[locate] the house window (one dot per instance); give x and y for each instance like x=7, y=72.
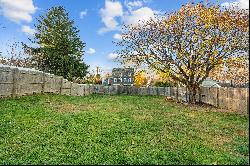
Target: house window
x=109, y=81
x=115, y=80
x=124, y=79
x=129, y=80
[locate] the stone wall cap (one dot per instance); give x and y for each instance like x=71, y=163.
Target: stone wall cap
x=19, y=68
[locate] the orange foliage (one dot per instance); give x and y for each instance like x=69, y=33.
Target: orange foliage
x=140, y=78
x=234, y=69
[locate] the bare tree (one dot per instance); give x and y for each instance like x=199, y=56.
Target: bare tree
x=15, y=56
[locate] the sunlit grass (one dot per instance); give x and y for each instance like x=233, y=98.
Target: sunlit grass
x=53, y=129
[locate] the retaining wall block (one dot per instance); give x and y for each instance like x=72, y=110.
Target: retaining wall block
x=75, y=89
x=6, y=82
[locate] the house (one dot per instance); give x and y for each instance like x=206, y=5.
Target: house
x=107, y=81
x=120, y=76
x=212, y=83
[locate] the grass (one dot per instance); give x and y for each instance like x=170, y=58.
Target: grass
x=54, y=129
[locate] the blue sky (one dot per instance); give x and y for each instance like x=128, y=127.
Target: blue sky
x=99, y=21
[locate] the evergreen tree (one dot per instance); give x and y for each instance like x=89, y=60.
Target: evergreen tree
x=60, y=50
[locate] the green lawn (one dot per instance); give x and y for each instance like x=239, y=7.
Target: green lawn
x=54, y=129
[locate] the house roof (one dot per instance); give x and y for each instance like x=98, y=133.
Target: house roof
x=210, y=83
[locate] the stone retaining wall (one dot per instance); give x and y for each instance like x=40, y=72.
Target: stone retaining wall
x=18, y=82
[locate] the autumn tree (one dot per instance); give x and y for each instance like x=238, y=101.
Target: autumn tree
x=60, y=49
x=163, y=80
x=234, y=70
x=140, y=78
x=187, y=44
x=98, y=79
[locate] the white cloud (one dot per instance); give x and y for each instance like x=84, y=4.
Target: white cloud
x=109, y=14
x=142, y=14
x=18, y=10
x=91, y=51
x=83, y=13
x=117, y=36
x=132, y=4
x=135, y=4
x=27, y=30
x=243, y=4
x=112, y=56
x=112, y=14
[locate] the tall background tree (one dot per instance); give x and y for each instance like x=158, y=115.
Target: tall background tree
x=187, y=44
x=59, y=48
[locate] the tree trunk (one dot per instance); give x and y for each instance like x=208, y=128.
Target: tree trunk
x=199, y=91
x=177, y=93
x=192, y=94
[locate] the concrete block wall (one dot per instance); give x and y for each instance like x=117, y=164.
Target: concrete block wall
x=18, y=82
x=27, y=82
x=75, y=89
x=52, y=83
x=66, y=87
x=6, y=81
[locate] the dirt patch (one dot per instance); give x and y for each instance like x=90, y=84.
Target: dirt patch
x=70, y=108
x=221, y=140
x=142, y=117
x=67, y=108
x=242, y=133
x=198, y=107
x=87, y=106
x=113, y=110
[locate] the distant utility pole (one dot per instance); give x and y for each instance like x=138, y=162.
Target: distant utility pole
x=97, y=70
